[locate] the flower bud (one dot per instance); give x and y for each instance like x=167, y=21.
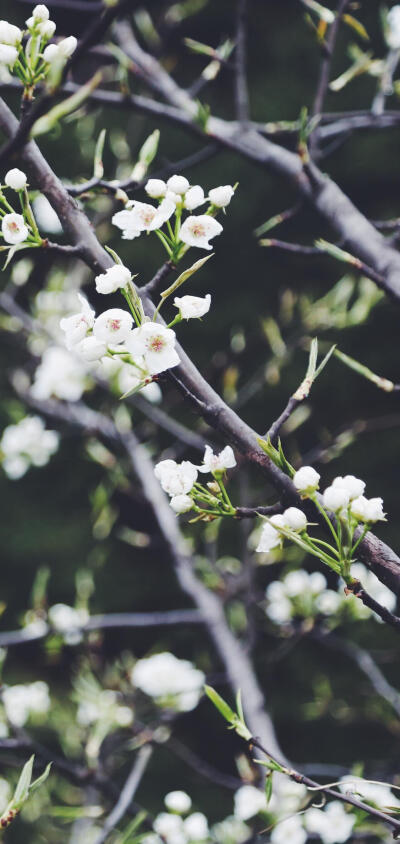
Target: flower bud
x=67, y=46
x=15, y=179
x=335, y=498
x=181, y=504
x=220, y=197
x=155, y=188
x=194, y=197
x=10, y=34
x=8, y=54
x=178, y=801
x=354, y=486
x=295, y=519
x=368, y=510
x=51, y=53
x=47, y=29
x=113, y=279
x=306, y=479
x=178, y=184
x=41, y=13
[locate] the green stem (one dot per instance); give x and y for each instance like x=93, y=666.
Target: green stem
x=327, y=519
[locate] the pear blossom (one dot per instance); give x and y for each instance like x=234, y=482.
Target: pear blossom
x=354, y=486
x=217, y=462
x=59, y=374
x=113, y=279
x=192, y=307
x=77, y=326
x=196, y=827
x=155, y=188
x=41, y=12
x=194, y=197
x=178, y=184
x=368, y=510
x=22, y=701
x=28, y=442
x=170, y=827
x=221, y=197
x=248, y=801
x=333, y=824
x=291, y=829
x=306, y=479
x=270, y=537
x=181, y=503
x=156, y=344
x=15, y=179
x=178, y=801
x=143, y=217
x=197, y=231
x=295, y=519
x=113, y=326
x=176, y=478
x=9, y=34
x=47, y=29
x=67, y=46
x=13, y=225
x=335, y=498
x=393, y=28
x=170, y=681
x=8, y=54
x=51, y=54
x=90, y=349
x=45, y=216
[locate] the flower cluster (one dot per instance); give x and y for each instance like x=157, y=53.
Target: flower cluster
x=17, y=228
x=302, y=595
x=26, y=443
x=171, y=682
x=179, y=481
x=173, y=827
x=32, y=62
x=23, y=701
x=175, y=197
x=68, y=621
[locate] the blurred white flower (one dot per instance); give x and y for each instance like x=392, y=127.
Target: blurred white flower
x=22, y=701
x=13, y=225
x=90, y=349
x=196, y=827
x=198, y=231
x=248, y=801
x=77, y=326
x=10, y=34
x=289, y=830
x=170, y=827
x=217, y=462
x=15, y=179
x=333, y=824
x=27, y=443
x=393, y=28
x=176, y=478
x=8, y=56
x=172, y=682
x=374, y=587
x=381, y=795
x=221, y=196
x=113, y=326
x=157, y=346
x=129, y=377
x=178, y=801
x=192, y=307
x=59, y=374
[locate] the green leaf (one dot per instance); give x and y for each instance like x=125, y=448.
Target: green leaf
x=221, y=705
x=22, y=789
x=184, y=276
x=40, y=780
x=98, y=169
x=113, y=254
x=239, y=706
x=358, y=27
x=383, y=383
x=132, y=827
x=268, y=786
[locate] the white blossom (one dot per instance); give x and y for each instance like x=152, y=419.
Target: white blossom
x=368, y=509
x=197, y=231
x=9, y=34
x=291, y=830
x=181, y=503
x=178, y=801
x=170, y=827
x=21, y=701
x=59, y=374
x=221, y=196
x=194, y=197
x=157, y=346
x=113, y=326
x=176, y=478
x=306, y=479
x=13, y=225
x=41, y=13
x=354, y=486
x=192, y=307
x=196, y=827
x=47, y=29
x=170, y=681
x=77, y=326
x=296, y=583
x=393, y=28
x=155, y=188
x=333, y=824
x=295, y=519
x=90, y=349
x=248, y=801
x=143, y=217
x=328, y=602
x=381, y=795
x=217, y=462
x=270, y=537
x=113, y=279
x=67, y=46
x=45, y=215
x=178, y=184
x=51, y=54
x=8, y=54
x=28, y=442
x=335, y=498
x=15, y=179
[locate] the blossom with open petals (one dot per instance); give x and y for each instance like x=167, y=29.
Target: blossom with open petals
x=217, y=462
x=197, y=231
x=77, y=326
x=192, y=307
x=156, y=344
x=113, y=279
x=13, y=226
x=176, y=478
x=113, y=326
x=143, y=217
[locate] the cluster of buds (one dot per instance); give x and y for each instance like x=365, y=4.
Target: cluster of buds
x=175, y=196
x=179, y=481
x=17, y=228
x=28, y=54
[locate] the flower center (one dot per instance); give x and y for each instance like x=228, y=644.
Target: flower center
x=156, y=344
x=114, y=324
x=198, y=230
x=13, y=227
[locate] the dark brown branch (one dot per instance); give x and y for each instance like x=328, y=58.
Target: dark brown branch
x=358, y=590
x=253, y=512
x=323, y=80
x=276, y=426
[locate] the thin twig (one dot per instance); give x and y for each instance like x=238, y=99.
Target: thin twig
x=128, y=792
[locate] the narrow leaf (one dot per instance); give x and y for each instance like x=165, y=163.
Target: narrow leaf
x=221, y=705
x=184, y=276
x=98, y=169
x=40, y=780
x=22, y=789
